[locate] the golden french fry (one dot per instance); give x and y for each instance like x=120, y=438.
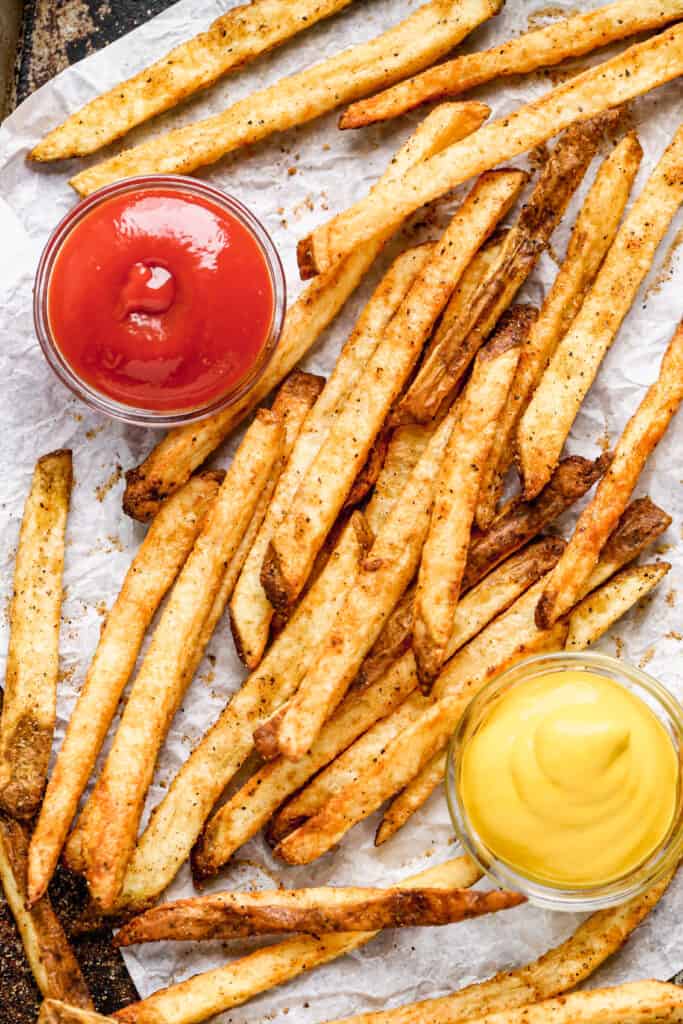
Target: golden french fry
x=597, y=612
x=151, y=573
x=592, y=235
x=246, y=811
x=53, y=1011
x=636, y=70
x=543, y=47
x=410, y=799
x=385, y=574
x=30, y=703
x=445, y=548
x=415, y=43
x=178, y=820
x=297, y=540
x=403, y=453
x=116, y=803
x=237, y=37
x=250, y=610
x=49, y=955
x=214, y=991
x=452, y=351
x=173, y=460
x=641, y=434
x=560, y=969
x=230, y=915
x=547, y=421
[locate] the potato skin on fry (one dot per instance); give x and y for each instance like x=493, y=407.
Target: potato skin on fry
x=30, y=704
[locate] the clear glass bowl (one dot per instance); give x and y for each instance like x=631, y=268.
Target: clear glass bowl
x=663, y=859
x=96, y=399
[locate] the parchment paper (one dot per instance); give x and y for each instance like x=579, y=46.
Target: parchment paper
x=330, y=170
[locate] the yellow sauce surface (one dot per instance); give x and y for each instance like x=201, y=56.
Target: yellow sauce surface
x=570, y=779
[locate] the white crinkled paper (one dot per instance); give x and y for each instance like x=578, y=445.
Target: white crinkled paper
x=332, y=170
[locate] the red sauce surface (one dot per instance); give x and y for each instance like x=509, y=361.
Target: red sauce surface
x=160, y=300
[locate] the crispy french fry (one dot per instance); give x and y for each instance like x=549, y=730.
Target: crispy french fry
x=597, y=612
x=559, y=41
x=410, y=799
x=30, y=705
x=548, y=418
x=560, y=969
x=237, y=37
x=53, y=1011
x=449, y=356
x=250, y=610
x=230, y=915
x=592, y=235
x=178, y=820
x=173, y=460
x=296, y=542
x=524, y=519
x=116, y=802
x=641, y=434
x=509, y=638
x=403, y=453
x=207, y=994
x=250, y=807
x=387, y=570
x=636, y=70
x=250, y=625
x=152, y=572
x=50, y=957
x=444, y=554
x=415, y=43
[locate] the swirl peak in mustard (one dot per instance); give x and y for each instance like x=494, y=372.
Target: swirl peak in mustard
x=570, y=779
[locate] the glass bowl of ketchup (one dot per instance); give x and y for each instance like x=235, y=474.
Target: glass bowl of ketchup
x=159, y=300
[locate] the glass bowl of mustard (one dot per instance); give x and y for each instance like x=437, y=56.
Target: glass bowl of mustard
x=564, y=778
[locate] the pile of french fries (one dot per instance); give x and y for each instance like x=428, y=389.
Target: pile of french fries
x=361, y=545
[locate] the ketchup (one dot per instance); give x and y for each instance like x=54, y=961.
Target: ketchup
x=161, y=300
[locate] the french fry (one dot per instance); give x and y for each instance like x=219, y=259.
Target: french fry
x=544, y=47
x=386, y=572
x=30, y=705
x=641, y=435
x=524, y=519
x=592, y=235
x=597, y=612
x=50, y=957
x=53, y=1011
x=449, y=356
x=560, y=969
x=250, y=610
x=512, y=636
x=635, y=71
x=178, y=820
x=116, y=802
x=151, y=573
x=444, y=554
x=173, y=460
x=368, y=475
x=403, y=453
x=250, y=808
x=230, y=915
x=236, y=38
x=548, y=418
x=415, y=43
x=210, y=993
x=296, y=542
x=410, y=799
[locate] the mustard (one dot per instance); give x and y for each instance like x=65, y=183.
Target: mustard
x=570, y=779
